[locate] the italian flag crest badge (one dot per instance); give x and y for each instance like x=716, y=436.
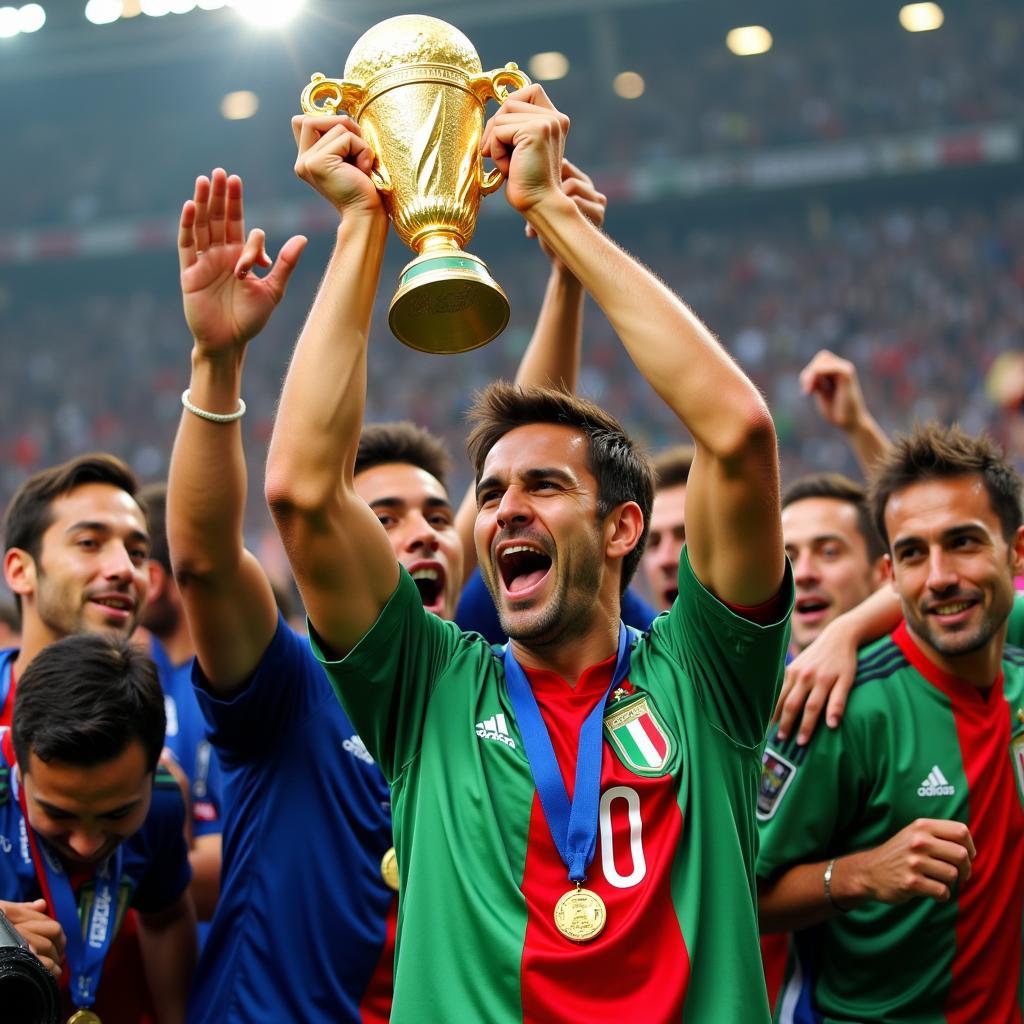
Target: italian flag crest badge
x=637, y=735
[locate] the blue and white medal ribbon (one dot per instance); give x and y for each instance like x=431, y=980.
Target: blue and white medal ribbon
x=580, y=914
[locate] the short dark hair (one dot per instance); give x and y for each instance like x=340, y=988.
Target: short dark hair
x=672, y=466
x=83, y=699
x=153, y=500
x=29, y=516
x=622, y=471
x=839, y=488
x=934, y=451
x=402, y=441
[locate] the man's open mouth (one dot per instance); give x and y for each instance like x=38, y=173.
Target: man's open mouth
x=430, y=582
x=522, y=567
x=810, y=605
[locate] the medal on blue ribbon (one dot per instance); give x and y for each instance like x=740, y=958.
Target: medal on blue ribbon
x=87, y=942
x=580, y=914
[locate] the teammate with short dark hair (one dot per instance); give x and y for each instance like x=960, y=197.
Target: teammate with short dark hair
x=664, y=548
x=172, y=650
x=102, y=826
x=901, y=832
x=641, y=908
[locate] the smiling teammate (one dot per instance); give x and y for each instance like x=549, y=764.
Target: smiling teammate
x=902, y=831
x=507, y=914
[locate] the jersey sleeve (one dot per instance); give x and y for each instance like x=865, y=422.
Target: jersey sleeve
x=808, y=797
x=384, y=683
x=206, y=792
x=287, y=687
x=734, y=664
x=162, y=838
x=636, y=612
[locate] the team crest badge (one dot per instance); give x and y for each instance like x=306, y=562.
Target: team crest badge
x=776, y=775
x=637, y=735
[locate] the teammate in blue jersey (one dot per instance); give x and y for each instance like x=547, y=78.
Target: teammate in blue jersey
x=92, y=827
x=171, y=648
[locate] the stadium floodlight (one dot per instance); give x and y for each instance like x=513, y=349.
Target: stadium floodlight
x=749, y=40
x=156, y=8
x=181, y=6
x=267, y=13
x=548, y=66
x=31, y=18
x=104, y=12
x=629, y=85
x=921, y=17
x=237, y=106
x=9, y=22
x=211, y=5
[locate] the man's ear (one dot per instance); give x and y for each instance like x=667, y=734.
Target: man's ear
x=625, y=528
x=20, y=572
x=881, y=570
x=159, y=581
x=1017, y=552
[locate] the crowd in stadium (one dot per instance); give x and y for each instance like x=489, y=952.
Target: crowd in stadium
x=661, y=660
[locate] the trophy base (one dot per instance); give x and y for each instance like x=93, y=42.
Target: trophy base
x=447, y=303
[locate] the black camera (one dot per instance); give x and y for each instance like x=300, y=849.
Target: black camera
x=28, y=992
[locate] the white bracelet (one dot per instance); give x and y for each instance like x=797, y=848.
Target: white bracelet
x=213, y=417
x=828, y=886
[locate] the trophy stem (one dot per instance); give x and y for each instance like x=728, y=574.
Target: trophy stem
x=439, y=242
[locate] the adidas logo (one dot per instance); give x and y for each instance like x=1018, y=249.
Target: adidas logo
x=495, y=729
x=357, y=748
x=936, y=784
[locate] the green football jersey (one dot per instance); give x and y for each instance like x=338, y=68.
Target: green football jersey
x=915, y=743
x=479, y=873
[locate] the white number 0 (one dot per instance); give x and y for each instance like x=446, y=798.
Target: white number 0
x=636, y=839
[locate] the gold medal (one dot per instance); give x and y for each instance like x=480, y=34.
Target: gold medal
x=389, y=869
x=84, y=1017
x=580, y=915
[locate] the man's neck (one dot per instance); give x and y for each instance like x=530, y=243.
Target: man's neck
x=178, y=644
x=570, y=657
x=980, y=668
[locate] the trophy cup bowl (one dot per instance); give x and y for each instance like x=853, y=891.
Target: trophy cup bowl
x=417, y=90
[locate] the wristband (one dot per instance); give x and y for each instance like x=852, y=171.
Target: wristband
x=213, y=417
x=828, y=887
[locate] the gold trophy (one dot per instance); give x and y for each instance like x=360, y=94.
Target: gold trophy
x=417, y=89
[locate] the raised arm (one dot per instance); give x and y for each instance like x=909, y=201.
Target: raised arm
x=834, y=383
x=552, y=357
x=732, y=517
x=227, y=596
x=343, y=562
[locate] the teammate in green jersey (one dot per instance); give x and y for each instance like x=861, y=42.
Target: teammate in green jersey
x=902, y=832
x=666, y=835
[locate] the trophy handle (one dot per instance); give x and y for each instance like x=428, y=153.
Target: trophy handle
x=494, y=85
x=325, y=96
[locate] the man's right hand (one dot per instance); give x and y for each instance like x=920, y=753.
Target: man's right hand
x=44, y=935
x=336, y=160
x=927, y=858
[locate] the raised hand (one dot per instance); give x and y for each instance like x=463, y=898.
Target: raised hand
x=44, y=935
x=581, y=189
x=336, y=160
x=226, y=305
x=835, y=386
x=525, y=139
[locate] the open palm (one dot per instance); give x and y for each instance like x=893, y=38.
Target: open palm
x=225, y=303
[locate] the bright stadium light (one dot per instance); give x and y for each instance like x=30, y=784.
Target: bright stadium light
x=921, y=17
x=155, y=8
x=749, y=40
x=237, y=106
x=548, y=66
x=103, y=12
x=629, y=85
x=31, y=18
x=181, y=6
x=9, y=22
x=211, y=5
x=268, y=13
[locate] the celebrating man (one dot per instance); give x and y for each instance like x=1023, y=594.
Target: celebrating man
x=500, y=868
x=902, y=832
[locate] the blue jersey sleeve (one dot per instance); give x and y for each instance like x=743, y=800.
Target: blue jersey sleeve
x=158, y=854
x=287, y=687
x=636, y=612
